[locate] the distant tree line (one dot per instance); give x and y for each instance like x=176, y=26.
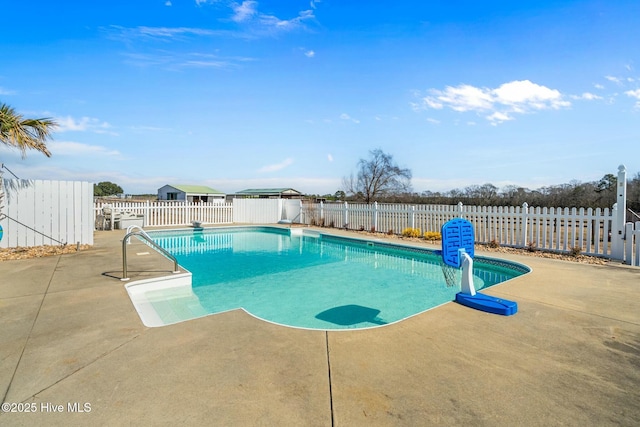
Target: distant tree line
x=595, y=194
x=380, y=179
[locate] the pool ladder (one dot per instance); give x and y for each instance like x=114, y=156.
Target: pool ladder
x=141, y=234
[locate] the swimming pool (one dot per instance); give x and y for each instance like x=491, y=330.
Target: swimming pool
x=305, y=279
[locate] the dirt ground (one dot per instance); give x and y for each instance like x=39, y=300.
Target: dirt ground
x=503, y=249
x=38, y=251
x=42, y=251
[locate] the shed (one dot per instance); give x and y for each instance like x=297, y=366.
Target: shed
x=191, y=193
x=269, y=193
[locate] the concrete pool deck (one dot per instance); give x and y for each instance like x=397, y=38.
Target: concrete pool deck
x=69, y=335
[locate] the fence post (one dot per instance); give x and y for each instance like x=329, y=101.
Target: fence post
x=346, y=214
x=460, y=209
x=628, y=247
x=525, y=222
x=375, y=215
x=145, y=218
x=413, y=217
x=618, y=219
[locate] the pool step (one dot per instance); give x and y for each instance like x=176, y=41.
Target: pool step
x=165, y=300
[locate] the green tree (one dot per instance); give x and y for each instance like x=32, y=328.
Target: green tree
x=106, y=188
x=379, y=176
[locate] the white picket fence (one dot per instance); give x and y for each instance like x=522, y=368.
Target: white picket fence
x=178, y=213
x=163, y=213
x=554, y=229
x=38, y=212
x=632, y=244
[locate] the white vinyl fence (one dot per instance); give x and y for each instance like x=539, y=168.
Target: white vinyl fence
x=557, y=229
x=632, y=244
x=588, y=231
x=37, y=212
x=169, y=213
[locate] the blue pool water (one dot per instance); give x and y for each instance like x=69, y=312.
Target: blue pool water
x=310, y=280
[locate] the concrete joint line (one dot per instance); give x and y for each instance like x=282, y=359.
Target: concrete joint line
x=33, y=324
x=326, y=336
x=102, y=356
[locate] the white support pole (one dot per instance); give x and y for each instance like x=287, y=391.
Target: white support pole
x=618, y=220
x=466, y=284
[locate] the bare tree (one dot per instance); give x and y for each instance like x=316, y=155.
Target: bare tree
x=379, y=176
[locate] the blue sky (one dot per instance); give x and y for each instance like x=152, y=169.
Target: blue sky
x=254, y=94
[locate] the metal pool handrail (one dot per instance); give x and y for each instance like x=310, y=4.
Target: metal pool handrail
x=143, y=235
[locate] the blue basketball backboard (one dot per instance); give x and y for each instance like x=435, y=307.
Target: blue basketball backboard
x=457, y=234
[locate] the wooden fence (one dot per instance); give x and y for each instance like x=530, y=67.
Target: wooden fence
x=37, y=212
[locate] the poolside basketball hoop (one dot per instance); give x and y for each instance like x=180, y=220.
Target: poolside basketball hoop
x=457, y=237
x=450, y=274
x=457, y=255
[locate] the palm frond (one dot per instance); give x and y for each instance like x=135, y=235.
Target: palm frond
x=24, y=134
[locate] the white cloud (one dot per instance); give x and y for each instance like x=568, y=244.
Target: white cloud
x=276, y=167
x=525, y=94
x=185, y=60
x=598, y=86
x=244, y=11
x=167, y=3
x=462, y=98
x=68, y=148
x=167, y=32
x=251, y=21
x=634, y=94
x=613, y=79
x=330, y=157
x=498, y=117
x=516, y=97
x=4, y=91
x=309, y=54
x=271, y=22
x=434, y=121
x=345, y=116
x=85, y=124
x=588, y=96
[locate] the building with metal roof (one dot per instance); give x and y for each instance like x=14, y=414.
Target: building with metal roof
x=269, y=193
x=191, y=193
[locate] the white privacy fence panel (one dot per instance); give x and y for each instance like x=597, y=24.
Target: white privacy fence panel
x=38, y=212
x=558, y=229
x=162, y=213
x=257, y=211
x=291, y=209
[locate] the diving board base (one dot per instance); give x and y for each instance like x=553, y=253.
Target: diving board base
x=487, y=303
